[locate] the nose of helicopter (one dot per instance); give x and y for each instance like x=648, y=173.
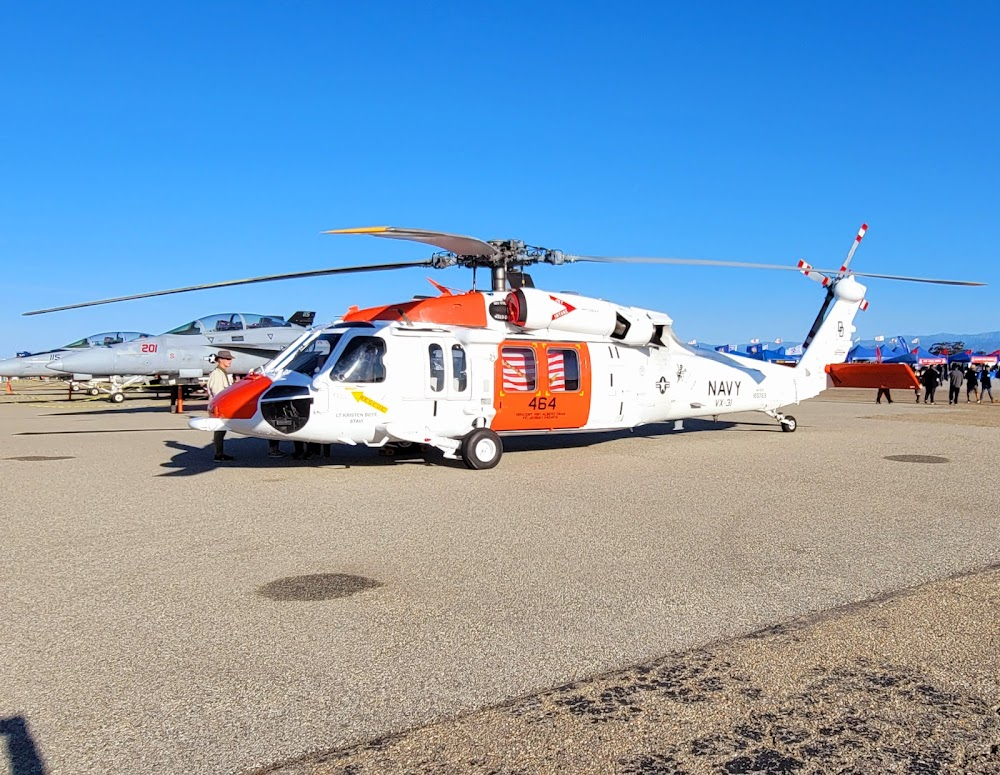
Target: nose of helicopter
x=239, y=400
x=99, y=360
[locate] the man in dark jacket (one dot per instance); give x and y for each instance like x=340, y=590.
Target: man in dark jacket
x=930, y=382
x=955, y=380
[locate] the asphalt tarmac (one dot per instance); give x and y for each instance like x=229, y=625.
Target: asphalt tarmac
x=727, y=598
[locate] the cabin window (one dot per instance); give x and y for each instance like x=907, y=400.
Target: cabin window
x=459, y=367
x=519, y=375
x=436, y=354
x=564, y=370
x=361, y=361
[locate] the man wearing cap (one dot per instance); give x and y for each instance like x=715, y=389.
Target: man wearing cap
x=219, y=380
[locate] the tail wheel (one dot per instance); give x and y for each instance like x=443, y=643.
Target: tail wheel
x=117, y=398
x=481, y=449
x=788, y=424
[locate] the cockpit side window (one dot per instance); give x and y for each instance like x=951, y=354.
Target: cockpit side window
x=361, y=361
x=265, y=321
x=459, y=367
x=435, y=354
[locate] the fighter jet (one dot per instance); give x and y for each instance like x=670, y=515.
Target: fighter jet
x=36, y=364
x=188, y=352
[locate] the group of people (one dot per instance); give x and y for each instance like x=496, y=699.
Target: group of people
x=978, y=384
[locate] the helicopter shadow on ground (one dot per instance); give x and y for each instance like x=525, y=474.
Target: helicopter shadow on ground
x=577, y=439
x=22, y=753
x=191, y=460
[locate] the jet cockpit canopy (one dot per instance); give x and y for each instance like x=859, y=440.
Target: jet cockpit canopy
x=106, y=339
x=229, y=321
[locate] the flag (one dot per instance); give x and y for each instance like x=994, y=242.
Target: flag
x=879, y=338
x=777, y=341
x=755, y=341
x=797, y=350
x=518, y=369
x=916, y=340
x=557, y=370
x=878, y=353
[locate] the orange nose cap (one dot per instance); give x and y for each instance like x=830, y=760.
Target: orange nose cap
x=239, y=400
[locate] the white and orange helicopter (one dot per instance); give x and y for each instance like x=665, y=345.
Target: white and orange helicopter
x=458, y=371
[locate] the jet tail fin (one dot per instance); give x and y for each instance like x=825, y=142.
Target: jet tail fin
x=304, y=319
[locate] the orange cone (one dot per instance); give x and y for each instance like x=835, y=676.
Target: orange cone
x=9, y=388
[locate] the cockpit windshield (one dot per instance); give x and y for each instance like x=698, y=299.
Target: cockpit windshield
x=106, y=339
x=361, y=361
x=312, y=356
x=188, y=329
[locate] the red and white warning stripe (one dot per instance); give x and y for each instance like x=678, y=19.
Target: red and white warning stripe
x=854, y=246
x=819, y=277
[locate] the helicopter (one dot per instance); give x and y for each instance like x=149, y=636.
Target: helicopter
x=458, y=371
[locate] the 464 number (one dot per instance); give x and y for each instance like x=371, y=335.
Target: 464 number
x=541, y=403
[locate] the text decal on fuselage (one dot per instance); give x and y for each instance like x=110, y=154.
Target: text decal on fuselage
x=723, y=388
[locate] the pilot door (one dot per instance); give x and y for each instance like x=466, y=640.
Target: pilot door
x=541, y=386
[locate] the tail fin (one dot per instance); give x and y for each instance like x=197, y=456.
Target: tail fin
x=304, y=319
x=831, y=340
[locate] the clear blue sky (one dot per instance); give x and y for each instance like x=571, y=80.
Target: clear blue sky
x=148, y=146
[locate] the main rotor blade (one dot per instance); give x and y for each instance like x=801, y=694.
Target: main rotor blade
x=225, y=284
x=744, y=265
x=455, y=243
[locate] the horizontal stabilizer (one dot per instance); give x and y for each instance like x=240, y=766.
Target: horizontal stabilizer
x=873, y=375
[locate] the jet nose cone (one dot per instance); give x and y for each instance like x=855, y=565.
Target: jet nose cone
x=11, y=368
x=96, y=361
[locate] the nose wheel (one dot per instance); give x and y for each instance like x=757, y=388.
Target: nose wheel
x=788, y=423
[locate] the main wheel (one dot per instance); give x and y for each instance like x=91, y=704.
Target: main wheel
x=93, y=392
x=788, y=424
x=481, y=449
x=116, y=398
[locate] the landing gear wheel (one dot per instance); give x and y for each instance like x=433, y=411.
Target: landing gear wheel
x=481, y=449
x=788, y=424
x=116, y=398
x=93, y=392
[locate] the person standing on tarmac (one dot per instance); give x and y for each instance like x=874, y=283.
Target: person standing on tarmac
x=955, y=380
x=219, y=380
x=929, y=379
x=971, y=385
x=984, y=385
